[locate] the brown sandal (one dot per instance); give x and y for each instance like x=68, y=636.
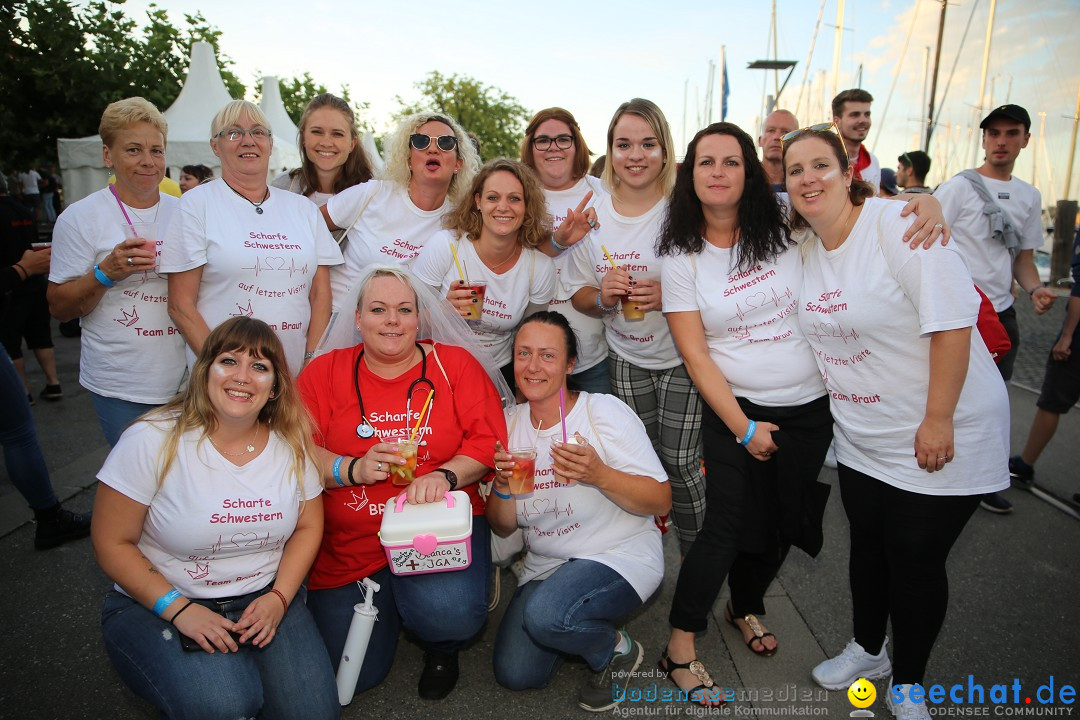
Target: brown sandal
x=755, y=627
x=705, y=691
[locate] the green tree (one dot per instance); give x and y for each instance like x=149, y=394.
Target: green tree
x=494, y=116
x=63, y=64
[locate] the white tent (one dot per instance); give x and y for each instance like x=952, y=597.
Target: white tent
x=286, y=154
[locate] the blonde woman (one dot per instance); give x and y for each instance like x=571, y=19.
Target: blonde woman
x=207, y=518
x=430, y=164
x=647, y=372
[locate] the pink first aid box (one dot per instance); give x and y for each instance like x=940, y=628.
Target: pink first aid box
x=427, y=538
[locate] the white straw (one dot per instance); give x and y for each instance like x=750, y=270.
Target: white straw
x=537, y=436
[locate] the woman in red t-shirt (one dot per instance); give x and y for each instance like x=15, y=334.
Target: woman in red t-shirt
x=359, y=396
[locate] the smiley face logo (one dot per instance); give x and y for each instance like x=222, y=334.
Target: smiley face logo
x=862, y=693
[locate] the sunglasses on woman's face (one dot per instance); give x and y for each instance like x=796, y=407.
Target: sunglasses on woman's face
x=420, y=141
x=820, y=127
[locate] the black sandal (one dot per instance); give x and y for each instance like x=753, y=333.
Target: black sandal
x=755, y=627
x=696, y=668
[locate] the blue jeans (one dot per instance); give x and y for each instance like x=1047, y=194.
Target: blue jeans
x=115, y=414
x=571, y=612
x=443, y=610
x=596, y=379
x=22, y=453
x=289, y=678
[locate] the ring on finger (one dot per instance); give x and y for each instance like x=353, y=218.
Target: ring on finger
x=938, y=226
x=378, y=467
x=131, y=262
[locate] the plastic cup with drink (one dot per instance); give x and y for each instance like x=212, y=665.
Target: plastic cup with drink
x=147, y=232
x=476, y=309
x=405, y=447
x=630, y=311
x=523, y=474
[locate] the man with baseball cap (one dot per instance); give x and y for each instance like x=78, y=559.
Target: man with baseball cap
x=996, y=222
x=911, y=170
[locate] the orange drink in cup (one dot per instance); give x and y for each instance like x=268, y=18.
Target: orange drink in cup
x=570, y=440
x=477, y=308
x=401, y=475
x=147, y=232
x=523, y=474
x=630, y=311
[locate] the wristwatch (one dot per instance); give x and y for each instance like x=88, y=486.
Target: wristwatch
x=451, y=476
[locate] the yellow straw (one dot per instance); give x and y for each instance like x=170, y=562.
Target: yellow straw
x=608, y=256
x=453, y=250
x=416, y=427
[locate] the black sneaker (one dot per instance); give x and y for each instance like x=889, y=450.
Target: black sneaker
x=440, y=675
x=59, y=527
x=52, y=392
x=605, y=689
x=995, y=503
x=1024, y=479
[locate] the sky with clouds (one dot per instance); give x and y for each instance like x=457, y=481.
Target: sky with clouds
x=590, y=56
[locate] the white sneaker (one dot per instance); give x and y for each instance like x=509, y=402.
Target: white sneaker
x=853, y=663
x=906, y=710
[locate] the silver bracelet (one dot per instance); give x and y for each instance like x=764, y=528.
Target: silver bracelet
x=604, y=308
x=557, y=246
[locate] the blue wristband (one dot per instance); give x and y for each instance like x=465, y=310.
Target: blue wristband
x=337, y=470
x=165, y=601
x=749, y=434
x=557, y=246
x=499, y=494
x=102, y=277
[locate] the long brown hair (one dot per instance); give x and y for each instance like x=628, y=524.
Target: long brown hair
x=284, y=412
x=859, y=190
x=356, y=169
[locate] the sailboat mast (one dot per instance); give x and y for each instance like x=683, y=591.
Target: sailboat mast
x=982, y=81
x=933, y=78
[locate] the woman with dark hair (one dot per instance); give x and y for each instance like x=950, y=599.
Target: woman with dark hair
x=192, y=176
x=494, y=235
x=617, y=264
x=588, y=568
x=208, y=516
x=331, y=156
x=732, y=279
x=430, y=164
x=556, y=151
x=913, y=391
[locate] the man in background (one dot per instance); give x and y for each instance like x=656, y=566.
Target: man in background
x=851, y=113
x=911, y=170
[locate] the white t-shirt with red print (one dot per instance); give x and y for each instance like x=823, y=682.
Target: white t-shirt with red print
x=868, y=310
x=212, y=528
x=751, y=322
x=258, y=265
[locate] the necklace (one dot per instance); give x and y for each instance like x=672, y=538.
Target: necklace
x=246, y=451
x=140, y=218
x=254, y=204
x=495, y=268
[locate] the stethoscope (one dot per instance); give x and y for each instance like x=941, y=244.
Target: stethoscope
x=365, y=429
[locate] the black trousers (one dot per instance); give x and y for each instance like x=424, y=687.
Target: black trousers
x=743, y=535
x=900, y=541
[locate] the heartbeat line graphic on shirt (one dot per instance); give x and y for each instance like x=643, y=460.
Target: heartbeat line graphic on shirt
x=828, y=330
x=199, y=572
x=213, y=548
x=760, y=300
x=267, y=264
x=358, y=501
x=243, y=311
x=542, y=506
x=129, y=318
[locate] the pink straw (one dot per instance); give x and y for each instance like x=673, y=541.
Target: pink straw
x=112, y=188
x=562, y=412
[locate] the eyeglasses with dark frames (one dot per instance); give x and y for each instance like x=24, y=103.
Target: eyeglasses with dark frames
x=257, y=133
x=562, y=142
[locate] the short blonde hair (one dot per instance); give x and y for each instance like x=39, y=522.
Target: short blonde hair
x=122, y=113
x=650, y=113
x=230, y=115
x=397, y=153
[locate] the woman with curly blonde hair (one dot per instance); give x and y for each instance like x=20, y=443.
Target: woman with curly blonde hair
x=430, y=164
x=496, y=233
x=208, y=516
